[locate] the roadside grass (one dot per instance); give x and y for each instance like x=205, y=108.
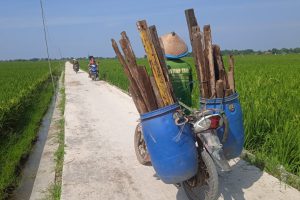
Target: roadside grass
x=15, y=146
x=54, y=192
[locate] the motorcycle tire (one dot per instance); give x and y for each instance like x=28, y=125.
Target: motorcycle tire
x=209, y=188
x=140, y=148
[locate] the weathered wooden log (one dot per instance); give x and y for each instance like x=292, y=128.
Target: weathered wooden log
x=146, y=84
x=138, y=101
x=191, y=21
x=161, y=56
x=148, y=97
x=200, y=62
x=209, y=57
x=228, y=92
x=220, y=72
x=133, y=89
x=220, y=88
x=231, y=80
x=121, y=58
x=129, y=47
x=153, y=59
x=159, y=100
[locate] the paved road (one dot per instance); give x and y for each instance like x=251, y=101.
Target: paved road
x=100, y=161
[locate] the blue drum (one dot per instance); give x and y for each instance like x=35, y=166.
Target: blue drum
x=171, y=147
x=234, y=143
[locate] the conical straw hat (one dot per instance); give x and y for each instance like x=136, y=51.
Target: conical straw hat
x=173, y=45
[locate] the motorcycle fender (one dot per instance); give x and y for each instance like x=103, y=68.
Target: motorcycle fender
x=213, y=146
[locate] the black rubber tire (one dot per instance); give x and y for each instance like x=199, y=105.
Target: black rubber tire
x=140, y=143
x=212, y=182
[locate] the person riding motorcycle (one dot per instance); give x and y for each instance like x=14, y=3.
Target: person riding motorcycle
x=75, y=65
x=180, y=72
x=93, y=67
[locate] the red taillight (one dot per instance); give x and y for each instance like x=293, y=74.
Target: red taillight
x=214, y=122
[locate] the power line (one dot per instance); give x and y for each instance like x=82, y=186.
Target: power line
x=46, y=42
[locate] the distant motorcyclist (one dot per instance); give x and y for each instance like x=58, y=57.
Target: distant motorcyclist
x=75, y=65
x=93, y=67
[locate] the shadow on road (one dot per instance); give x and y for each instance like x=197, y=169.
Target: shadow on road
x=232, y=184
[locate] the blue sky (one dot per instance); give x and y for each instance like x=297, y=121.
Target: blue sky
x=79, y=28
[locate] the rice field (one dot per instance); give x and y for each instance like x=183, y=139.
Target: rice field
x=268, y=86
x=26, y=91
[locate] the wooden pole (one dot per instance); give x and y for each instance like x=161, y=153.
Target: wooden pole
x=153, y=59
x=133, y=89
x=195, y=40
x=231, y=74
x=199, y=60
x=146, y=84
x=138, y=101
x=191, y=21
x=209, y=57
x=220, y=88
x=159, y=100
x=161, y=56
x=129, y=47
x=148, y=97
x=219, y=65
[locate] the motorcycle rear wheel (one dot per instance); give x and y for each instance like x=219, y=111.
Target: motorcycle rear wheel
x=205, y=185
x=140, y=148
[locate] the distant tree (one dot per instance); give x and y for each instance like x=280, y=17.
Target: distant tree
x=34, y=59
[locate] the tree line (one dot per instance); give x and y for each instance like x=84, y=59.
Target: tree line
x=273, y=51
x=270, y=51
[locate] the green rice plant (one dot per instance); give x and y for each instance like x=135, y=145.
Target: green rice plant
x=26, y=92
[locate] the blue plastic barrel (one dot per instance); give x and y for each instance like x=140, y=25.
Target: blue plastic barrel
x=172, y=148
x=234, y=143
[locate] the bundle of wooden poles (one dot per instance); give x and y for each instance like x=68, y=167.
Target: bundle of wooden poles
x=148, y=92
x=213, y=79
x=152, y=92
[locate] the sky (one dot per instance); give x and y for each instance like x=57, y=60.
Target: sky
x=78, y=28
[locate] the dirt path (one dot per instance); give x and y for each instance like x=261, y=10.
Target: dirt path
x=100, y=162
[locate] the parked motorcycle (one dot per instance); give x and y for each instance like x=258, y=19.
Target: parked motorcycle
x=204, y=185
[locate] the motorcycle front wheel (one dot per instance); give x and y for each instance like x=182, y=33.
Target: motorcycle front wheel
x=205, y=185
x=140, y=148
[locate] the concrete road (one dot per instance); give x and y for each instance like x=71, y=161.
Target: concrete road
x=100, y=162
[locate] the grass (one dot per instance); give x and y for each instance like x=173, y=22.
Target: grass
x=27, y=93
x=268, y=87
x=17, y=145
x=55, y=188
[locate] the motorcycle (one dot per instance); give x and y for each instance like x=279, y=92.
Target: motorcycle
x=204, y=185
x=93, y=71
x=76, y=67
